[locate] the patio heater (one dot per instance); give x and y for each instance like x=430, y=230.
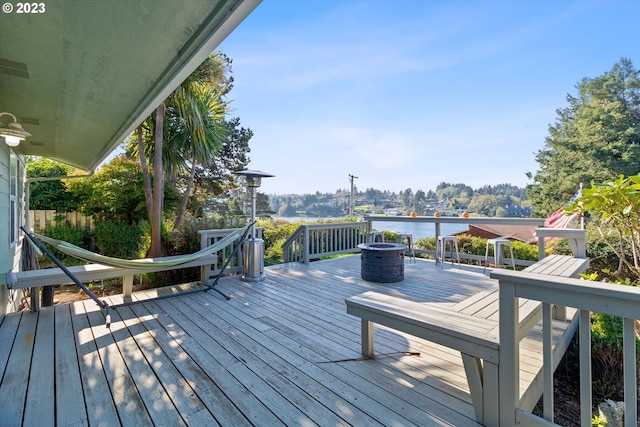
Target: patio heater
x=253, y=248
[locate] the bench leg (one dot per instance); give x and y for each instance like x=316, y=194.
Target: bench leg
x=490, y=390
x=35, y=299
x=483, y=386
x=127, y=285
x=560, y=312
x=473, y=370
x=367, y=338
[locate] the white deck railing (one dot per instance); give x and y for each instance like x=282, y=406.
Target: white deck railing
x=585, y=296
x=314, y=241
x=438, y=221
x=336, y=238
x=208, y=238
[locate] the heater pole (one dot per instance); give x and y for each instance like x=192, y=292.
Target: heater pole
x=253, y=212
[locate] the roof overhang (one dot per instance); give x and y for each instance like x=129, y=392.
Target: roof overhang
x=82, y=75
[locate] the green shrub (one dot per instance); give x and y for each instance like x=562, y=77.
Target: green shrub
x=426, y=243
x=468, y=244
x=596, y=421
x=69, y=233
x=525, y=251
x=275, y=233
x=607, y=357
x=274, y=254
x=602, y=258
x=186, y=240
x=119, y=240
x=390, y=236
x=473, y=245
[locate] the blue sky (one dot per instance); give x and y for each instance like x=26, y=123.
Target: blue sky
x=407, y=94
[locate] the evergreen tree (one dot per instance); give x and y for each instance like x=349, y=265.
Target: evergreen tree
x=597, y=137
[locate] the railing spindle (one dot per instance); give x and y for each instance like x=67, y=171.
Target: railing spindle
x=585, y=367
x=630, y=375
x=547, y=351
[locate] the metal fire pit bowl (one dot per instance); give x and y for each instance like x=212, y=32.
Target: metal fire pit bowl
x=382, y=262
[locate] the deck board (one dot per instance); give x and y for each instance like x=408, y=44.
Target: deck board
x=227, y=399
x=40, y=406
x=98, y=400
x=70, y=408
x=281, y=352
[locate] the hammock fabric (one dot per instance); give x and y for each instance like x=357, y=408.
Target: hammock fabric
x=144, y=263
x=149, y=263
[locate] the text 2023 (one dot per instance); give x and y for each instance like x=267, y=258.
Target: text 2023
x=30, y=8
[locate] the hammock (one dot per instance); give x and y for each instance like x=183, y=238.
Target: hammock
x=150, y=263
x=144, y=263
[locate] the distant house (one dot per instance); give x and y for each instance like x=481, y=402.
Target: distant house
x=522, y=233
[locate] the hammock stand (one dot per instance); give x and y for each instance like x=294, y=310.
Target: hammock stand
x=104, y=306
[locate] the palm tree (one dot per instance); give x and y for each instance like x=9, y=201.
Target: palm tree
x=197, y=131
x=193, y=130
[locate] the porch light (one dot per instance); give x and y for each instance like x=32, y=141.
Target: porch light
x=253, y=248
x=13, y=132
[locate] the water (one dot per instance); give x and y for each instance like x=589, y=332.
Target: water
x=417, y=229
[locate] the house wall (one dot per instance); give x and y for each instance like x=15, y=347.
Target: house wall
x=9, y=252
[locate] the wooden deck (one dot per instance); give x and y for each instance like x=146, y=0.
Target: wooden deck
x=281, y=352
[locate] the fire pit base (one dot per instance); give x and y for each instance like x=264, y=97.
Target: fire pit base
x=382, y=262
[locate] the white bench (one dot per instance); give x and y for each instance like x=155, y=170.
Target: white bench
x=575, y=238
x=561, y=266
x=92, y=272
x=474, y=337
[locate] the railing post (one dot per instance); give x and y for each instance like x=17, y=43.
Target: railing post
x=541, y=251
x=630, y=374
x=4, y=294
x=205, y=270
x=509, y=369
x=437, y=236
x=585, y=367
x=305, y=244
x=547, y=357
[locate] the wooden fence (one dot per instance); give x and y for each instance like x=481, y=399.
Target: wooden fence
x=39, y=219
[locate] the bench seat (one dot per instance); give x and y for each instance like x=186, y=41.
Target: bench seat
x=461, y=332
x=474, y=337
x=93, y=272
x=559, y=265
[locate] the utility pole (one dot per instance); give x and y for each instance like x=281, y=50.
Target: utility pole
x=351, y=198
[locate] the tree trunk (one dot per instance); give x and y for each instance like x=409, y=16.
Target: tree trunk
x=158, y=187
x=148, y=190
x=185, y=196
